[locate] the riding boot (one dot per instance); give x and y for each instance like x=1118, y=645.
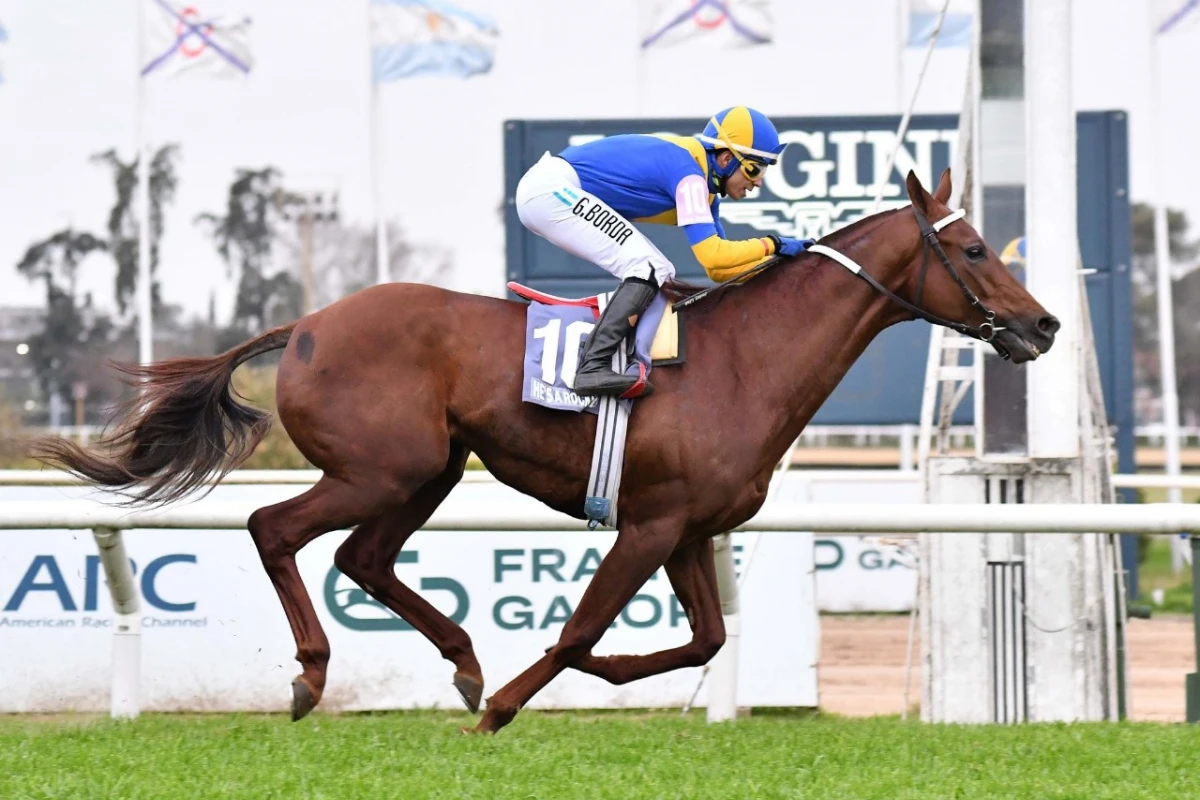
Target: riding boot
x=595, y=375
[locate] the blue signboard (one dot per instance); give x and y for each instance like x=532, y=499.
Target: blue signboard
x=828, y=177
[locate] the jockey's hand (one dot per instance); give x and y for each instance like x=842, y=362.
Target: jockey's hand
x=791, y=247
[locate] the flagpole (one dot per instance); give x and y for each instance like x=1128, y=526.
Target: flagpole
x=382, y=272
x=142, y=155
x=381, y=240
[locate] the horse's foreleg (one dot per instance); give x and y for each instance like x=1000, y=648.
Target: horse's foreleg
x=634, y=557
x=368, y=557
x=694, y=579
x=279, y=532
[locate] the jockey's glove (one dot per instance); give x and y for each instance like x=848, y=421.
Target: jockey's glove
x=790, y=247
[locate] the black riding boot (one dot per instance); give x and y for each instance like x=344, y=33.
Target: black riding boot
x=595, y=375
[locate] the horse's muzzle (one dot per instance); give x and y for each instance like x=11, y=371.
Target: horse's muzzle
x=1024, y=340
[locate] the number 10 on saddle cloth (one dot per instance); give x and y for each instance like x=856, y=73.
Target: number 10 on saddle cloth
x=554, y=337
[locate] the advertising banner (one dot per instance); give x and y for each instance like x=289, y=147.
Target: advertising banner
x=215, y=636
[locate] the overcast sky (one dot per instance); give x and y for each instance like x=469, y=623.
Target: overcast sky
x=69, y=92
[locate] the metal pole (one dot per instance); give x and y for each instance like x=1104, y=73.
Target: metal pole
x=127, y=622
x=1054, y=380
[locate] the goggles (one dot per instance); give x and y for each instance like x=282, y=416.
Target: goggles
x=752, y=168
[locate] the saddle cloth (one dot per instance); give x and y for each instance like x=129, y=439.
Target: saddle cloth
x=555, y=331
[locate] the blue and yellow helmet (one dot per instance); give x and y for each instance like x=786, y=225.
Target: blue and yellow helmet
x=746, y=133
x=1014, y=252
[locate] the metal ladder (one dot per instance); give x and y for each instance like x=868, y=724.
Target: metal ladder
x=944, y=371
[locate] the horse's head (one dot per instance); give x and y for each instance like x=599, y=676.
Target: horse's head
x=1021, y=328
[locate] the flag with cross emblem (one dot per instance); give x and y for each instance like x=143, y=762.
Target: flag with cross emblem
x=186, y=39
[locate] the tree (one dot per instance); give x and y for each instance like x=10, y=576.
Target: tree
x=70, y=348
x=123, y=229
x=1186, y=306
x=245, y=237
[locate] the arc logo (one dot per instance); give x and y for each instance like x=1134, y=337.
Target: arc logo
x=44, y=577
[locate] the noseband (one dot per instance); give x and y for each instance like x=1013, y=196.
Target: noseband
x=985, y=332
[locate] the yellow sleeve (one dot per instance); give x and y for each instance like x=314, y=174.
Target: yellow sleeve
x=723, y=259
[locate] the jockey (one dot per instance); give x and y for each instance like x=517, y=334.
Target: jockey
x=584, y=199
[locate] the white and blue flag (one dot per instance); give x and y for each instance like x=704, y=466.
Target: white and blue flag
x=183, y=38
x=956, y=27
x=411, y=38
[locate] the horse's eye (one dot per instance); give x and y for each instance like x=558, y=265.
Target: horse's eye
x=976, y=252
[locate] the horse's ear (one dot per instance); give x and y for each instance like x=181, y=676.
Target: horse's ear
x=917, y=193
x=942, y=192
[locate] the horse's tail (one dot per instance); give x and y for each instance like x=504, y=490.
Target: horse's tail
x=185, y=425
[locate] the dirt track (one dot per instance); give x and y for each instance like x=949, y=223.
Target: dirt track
x=862, y=666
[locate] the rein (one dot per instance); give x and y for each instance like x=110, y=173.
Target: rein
x=698, y=296
x=984, y=332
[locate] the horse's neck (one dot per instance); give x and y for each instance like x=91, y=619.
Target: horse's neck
x=814, y=319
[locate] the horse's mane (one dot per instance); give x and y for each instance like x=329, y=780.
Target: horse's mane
x=677, y=290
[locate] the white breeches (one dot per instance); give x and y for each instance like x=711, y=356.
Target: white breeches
x=551, y=204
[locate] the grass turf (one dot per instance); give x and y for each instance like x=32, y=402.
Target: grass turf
x=605, y=755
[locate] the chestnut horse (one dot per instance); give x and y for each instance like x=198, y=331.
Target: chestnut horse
x=388, y=391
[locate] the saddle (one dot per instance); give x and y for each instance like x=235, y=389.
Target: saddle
x=555, y=330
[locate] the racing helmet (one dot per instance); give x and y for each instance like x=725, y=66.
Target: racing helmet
x=746, y=133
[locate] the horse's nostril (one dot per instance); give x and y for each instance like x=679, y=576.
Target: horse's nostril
x=1049, y=325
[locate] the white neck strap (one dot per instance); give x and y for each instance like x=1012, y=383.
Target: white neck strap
x=849, y=263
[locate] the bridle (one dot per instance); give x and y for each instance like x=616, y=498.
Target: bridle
x=984, y=332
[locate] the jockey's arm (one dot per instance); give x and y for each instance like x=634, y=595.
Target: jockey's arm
x=721, y=258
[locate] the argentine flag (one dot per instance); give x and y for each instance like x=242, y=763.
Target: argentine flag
x=429, y=37
x=956, y=27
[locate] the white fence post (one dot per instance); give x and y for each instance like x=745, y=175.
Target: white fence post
x=722, y=688
x=127, y=622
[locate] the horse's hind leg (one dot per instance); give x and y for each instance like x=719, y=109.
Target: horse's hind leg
x=368, y=557
x=693, y=576
x=279, y=532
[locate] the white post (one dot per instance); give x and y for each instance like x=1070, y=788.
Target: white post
x=1166, y=310
x=127, y=622
x=142, y=154
x=723, y=669
x=1054, y=379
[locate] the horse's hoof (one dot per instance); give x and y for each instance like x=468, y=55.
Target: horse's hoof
x=473, y=732
x=470, y=690
x=494, y=719
x=303, y=700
